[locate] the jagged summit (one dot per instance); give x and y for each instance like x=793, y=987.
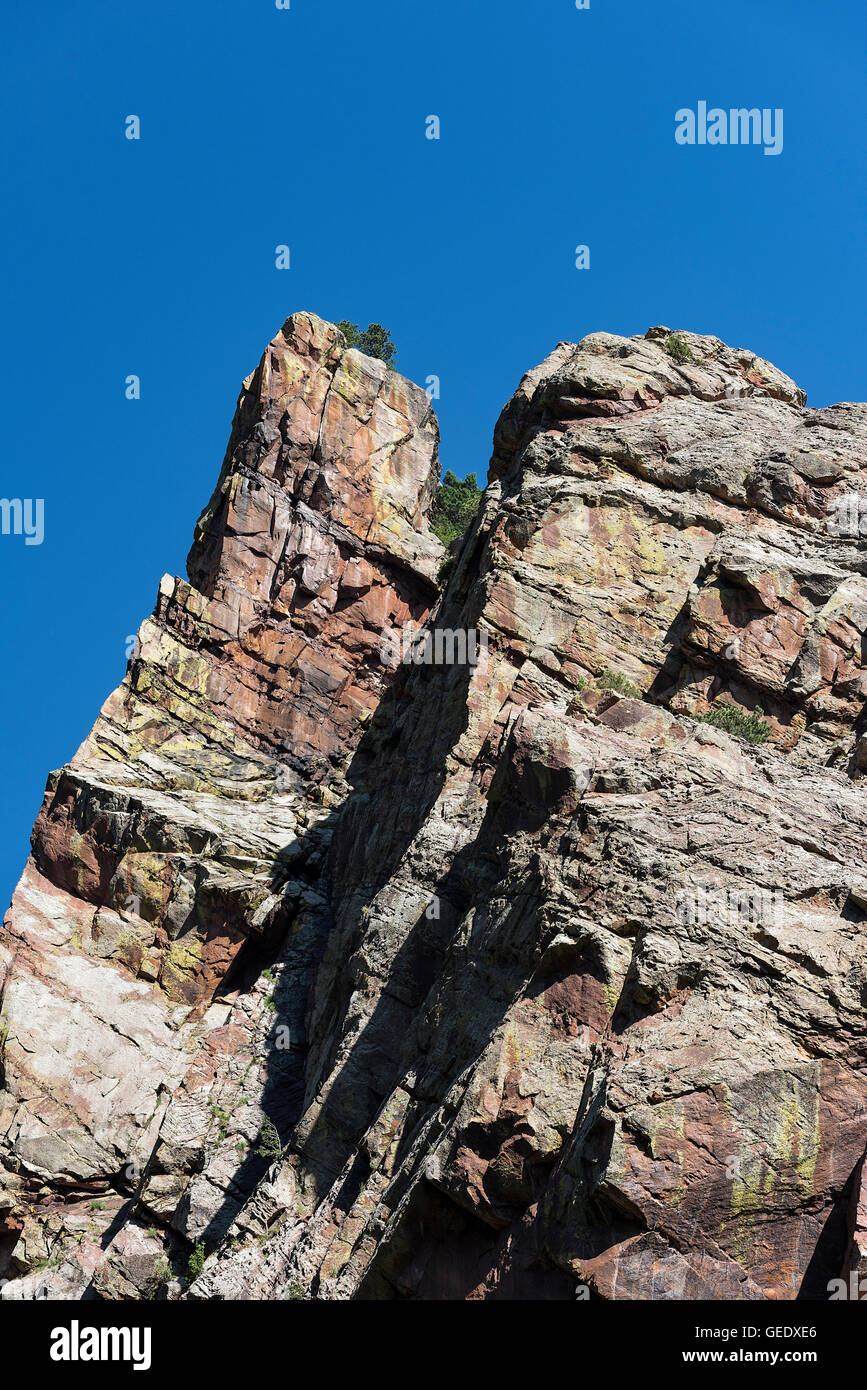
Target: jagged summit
x=488, y=977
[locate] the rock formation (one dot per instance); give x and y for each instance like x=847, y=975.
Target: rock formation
x=526, y=975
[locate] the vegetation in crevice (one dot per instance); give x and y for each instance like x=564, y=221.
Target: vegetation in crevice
x=610, y=681
x=619, y=684
x=734, y=720
x=454, y=506
x=268, y=1144
x=196, y=1262
x=678, y=348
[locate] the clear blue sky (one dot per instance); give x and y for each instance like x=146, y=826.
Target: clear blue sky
x=307, y=127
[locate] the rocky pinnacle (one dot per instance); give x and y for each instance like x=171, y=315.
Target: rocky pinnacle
x=536, y=976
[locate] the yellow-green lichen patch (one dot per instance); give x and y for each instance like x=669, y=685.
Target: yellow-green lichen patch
x=181, y=965
x=775, y=1165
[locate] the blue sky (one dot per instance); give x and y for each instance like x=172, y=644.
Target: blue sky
x=306, y=127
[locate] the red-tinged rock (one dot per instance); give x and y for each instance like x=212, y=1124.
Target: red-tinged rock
x=167, y=844
x=503, y=979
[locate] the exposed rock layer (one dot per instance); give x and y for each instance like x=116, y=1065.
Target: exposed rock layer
x=535, y=983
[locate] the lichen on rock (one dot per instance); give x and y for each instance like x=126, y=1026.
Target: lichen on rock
x=423, y=924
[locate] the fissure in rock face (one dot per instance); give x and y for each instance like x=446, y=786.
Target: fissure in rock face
x=522, y=976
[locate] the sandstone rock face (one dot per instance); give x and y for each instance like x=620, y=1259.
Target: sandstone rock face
x=522, y=976
x=185, y=838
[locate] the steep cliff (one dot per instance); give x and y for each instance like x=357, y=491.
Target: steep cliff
x=531, y=964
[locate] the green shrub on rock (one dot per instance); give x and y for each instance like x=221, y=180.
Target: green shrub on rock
x=374, y=340
x=196, y=1262
x=734, y=720
x=454, y=506
x=678, y=348
x=620, y=684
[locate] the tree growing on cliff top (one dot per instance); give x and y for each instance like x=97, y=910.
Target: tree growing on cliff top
x=374, y=340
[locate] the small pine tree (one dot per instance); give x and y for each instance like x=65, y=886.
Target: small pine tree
x=268, y=1144
x=454, y=506
x=678, y=348
x=374, y=340
x=196, y=1262
x=734, y=720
